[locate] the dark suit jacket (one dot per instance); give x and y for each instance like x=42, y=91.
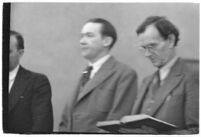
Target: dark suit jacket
x=30, y=108
x=178, y=100
x=109, y=95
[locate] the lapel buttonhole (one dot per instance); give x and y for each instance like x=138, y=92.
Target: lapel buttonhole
x=168, y=98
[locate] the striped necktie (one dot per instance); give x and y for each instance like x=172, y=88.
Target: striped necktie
x=86, y=75
x=155, y=83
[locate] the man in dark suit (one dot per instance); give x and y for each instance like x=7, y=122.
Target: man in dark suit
x=171, y=93
x=30, y=107
x=105, y=93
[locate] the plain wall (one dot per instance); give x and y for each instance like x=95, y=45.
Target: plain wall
x=52, y=32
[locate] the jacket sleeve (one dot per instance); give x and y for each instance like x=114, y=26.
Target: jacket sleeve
x=125, y=96
x=191, y=106
x=41, y=108
x=63, y=126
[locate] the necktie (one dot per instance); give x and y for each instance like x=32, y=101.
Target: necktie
x=155, y=83
x=86, y=75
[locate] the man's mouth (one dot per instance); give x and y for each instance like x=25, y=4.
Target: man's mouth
x=151, y=59
x=84, y=47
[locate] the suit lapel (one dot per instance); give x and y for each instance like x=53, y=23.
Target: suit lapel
x=142, y=94
x=75, y=94
x=104, y=72
x=170, y=83
x=18, y=88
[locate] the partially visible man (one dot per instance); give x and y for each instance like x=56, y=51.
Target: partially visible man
x=30, y=107
x=171, y=93
x=107, y=89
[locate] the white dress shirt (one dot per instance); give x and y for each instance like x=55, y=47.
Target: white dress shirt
x=97, y=65
x=12, y=76
x=164, y=71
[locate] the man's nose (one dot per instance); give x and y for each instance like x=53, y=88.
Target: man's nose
x=82, y=41
x=147, y=53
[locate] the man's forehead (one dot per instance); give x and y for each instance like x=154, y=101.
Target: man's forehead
x=13, y=39
x=91, y=27
x=151, y=35
x=151, y=30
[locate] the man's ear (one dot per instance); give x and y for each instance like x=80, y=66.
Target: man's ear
x=171, y=39
x=21, y=51
x=107, y=41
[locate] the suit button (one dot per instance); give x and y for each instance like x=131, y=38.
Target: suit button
x=151, y=101
x=148, y=110
x=76, y=115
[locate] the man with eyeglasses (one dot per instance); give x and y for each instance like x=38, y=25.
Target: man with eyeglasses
x=171, y=93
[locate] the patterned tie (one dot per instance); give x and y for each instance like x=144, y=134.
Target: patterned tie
x=86, y=75
x=155, y=83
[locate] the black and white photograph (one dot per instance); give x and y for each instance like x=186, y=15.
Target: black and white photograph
x=100, y=68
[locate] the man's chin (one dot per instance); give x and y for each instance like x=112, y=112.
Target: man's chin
x=87, y=57
x=84, y=55
x=10, y=69
x=157, y=65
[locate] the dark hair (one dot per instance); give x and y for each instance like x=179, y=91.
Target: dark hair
x=164, y=26
x=19, y=39
x=107, y=29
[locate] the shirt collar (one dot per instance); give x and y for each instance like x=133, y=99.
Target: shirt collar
x=13, y=73
x=97, y=65
x=164, y=71
x=100, y=62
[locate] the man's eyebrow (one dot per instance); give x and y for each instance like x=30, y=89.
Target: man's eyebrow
x=151, y=44
x=86, y=33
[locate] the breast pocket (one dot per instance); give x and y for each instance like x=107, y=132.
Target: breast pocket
x=104, y=100
x=24, y=102
x=173, y=104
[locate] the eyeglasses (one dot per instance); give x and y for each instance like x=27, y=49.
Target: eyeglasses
x=150, y=48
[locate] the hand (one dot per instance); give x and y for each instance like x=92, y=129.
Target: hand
x=103, y=131
x=142, y=130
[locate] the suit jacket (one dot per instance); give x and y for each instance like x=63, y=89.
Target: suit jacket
x=178, y=100
x=108, y=95
x=30, y=108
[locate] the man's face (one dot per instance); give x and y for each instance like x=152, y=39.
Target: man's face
x=155, y=47
x=15, y=54
x=91, y=41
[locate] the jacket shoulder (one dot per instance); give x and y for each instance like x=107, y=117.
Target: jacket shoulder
x=190, y=69
x=124, y=68
x=33, y=74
